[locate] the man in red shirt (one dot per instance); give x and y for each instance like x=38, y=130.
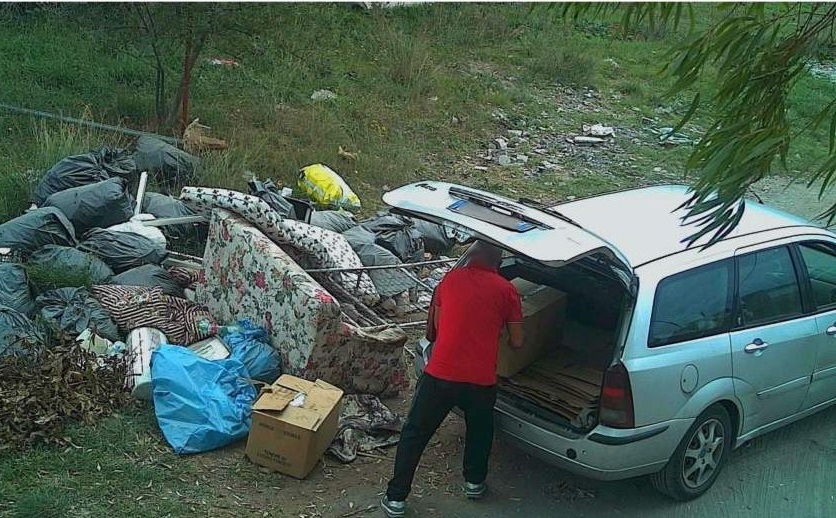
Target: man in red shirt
x=470, y=308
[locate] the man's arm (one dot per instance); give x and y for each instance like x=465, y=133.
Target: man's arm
x=515, y=334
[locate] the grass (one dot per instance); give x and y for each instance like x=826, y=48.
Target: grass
x=417, y=89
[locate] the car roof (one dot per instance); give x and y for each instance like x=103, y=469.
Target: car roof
x=645, y=225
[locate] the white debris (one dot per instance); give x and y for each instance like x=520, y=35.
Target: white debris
x=586, y=141
x=500, y=143
x=598, y=130
x=323, y=95
x=504, y=160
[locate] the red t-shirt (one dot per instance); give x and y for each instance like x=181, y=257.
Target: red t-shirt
x=475, y=304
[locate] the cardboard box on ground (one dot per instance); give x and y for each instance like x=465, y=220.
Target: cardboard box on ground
x=290, y=432
x=543, y=316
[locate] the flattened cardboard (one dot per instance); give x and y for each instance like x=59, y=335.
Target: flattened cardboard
x=291, y=439
x=274, y=397
x=543, y=314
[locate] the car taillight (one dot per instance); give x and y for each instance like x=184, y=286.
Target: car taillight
x=617, y=398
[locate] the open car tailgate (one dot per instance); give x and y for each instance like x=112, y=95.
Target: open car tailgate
x=470, y=213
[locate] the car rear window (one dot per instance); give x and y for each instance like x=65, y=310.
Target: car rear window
x=692, y=304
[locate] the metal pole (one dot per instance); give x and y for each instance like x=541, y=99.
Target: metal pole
x=90, y=124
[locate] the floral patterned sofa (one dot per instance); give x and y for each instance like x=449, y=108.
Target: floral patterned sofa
x=247, y=276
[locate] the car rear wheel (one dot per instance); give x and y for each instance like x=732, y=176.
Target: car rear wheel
x=699, y=458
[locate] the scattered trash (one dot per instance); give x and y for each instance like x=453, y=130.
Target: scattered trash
x=212, y=349
x=85, y=169
x=137, y=227
x=500, y=143
x=100, y=204
x=70, y=264
x=72, y=310
x=91, y=342
x=586, y=141
x=269, y=192
x=365, y=425
x=169, y=165
x=396, y=234
x=323, y=95
x=292, y=442
x=122, y=251
x=388, y=283
x=196, y=141
x=163, y=206
x=503, y=160
x=15, y=292
x=598, y=130
x=344, y=153
x=326, y=188
x=18, y=334
x=227, y=62
x=250, y=345
x=150, y=275
x=141, y=343
x=200, y=404
x=134, y=306
x=334, y=220
x=34, y=229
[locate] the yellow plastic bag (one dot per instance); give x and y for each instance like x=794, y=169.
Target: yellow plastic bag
x=326, y=188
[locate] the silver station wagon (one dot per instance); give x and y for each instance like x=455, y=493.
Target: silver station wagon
x=662, y=358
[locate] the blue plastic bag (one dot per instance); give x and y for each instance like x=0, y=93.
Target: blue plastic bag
x=250, y=345
x=200, y=404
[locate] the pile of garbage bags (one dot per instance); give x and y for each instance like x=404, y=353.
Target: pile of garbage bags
x=84, y=231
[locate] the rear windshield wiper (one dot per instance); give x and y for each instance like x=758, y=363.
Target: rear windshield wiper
x=542, y=207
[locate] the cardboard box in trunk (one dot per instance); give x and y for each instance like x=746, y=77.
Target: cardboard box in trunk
x=290, y=432
x=543, y=314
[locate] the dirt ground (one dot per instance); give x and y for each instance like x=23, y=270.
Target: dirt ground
x=789, y=472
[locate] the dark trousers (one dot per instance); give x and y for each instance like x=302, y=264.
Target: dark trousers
x=434, y=398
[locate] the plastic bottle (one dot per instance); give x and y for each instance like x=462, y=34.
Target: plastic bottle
x=206, y=327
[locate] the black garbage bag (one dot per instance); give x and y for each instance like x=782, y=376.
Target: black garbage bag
x=122, y=251
x=334, y=220
x=36, y=228
x=435, y=240
x=149, y=275
x=73, y=171
x=72, y=310
x=101, y=204
x=15, y=292
x=18, y=334
x=396, y=234
x=167, y=164
x=388, y=282
x=358, y=236
x=271, y=194
x=117, y=162
x=72, y=264
x=164, y=206
x=85, y=169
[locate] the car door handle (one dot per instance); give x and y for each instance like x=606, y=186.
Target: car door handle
x=831, y=331
x=756, y=345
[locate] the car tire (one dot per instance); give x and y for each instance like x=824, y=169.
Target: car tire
x=699, y=458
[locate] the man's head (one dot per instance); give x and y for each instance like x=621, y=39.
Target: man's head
x=485, y=254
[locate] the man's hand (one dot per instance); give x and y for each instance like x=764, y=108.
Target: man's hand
x=515, y=335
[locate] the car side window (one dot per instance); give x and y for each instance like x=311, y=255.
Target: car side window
x=692, y=304
x=768, y=287
x=820, y=261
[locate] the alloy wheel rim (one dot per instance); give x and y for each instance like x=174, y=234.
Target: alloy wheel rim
x=703, y=454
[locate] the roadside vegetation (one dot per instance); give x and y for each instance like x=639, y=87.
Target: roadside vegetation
x=420, y=93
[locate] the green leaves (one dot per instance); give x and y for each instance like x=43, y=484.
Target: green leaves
x=743, y=66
